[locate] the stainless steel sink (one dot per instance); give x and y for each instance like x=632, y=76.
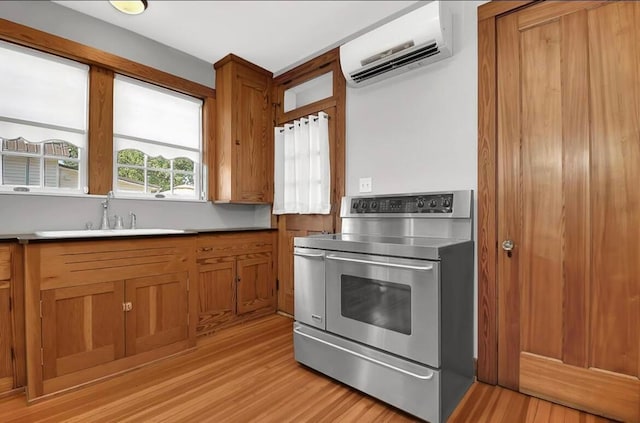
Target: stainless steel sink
x=92, y=233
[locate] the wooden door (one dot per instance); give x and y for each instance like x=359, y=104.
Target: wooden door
x=6, y=336
x=82, y=327
x=255, y=282
x=568, y=198
x=289, y=227
x=217, y=294
x=254, y=158
x=158, y=314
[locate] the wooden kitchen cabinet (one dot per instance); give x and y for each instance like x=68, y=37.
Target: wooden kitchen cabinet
x=244, y=132
x=100, y=307
x=159, y=305
x=82, y=327
x=6, y=330
x=236, y=278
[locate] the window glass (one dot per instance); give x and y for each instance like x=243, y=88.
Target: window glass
x=43, y=121
x=309, y=92
x=157, y=141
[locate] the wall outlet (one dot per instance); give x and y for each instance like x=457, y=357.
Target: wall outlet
x=365, y=184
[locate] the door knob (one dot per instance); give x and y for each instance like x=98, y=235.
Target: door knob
x=508, y=245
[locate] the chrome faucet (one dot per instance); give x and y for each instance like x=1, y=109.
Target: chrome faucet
x=105, y=211
x=133, y=220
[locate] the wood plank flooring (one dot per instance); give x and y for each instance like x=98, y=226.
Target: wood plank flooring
x=247, y=374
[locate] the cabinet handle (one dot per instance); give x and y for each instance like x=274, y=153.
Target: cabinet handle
x=206, y=249
x=237, y=142
x=127, y=306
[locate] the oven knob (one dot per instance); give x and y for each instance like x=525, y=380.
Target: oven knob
x=420, y=203
x=446, y=202
x=374, y=205
x=355, y=204
x=433, y=203
x=364, y=205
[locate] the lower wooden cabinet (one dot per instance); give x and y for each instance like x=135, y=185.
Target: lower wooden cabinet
x=85, y=326
x=6, y=330
x=99, y=307
x=158, y=312
x=82, y=327
x=236, y=278
x=11, y=320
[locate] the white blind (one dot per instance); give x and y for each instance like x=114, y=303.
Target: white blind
x=151, y=113
x=44, y=89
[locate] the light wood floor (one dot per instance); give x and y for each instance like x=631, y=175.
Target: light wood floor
x=248, y=373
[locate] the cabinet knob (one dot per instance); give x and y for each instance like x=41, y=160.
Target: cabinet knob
x=237, y=142
x=128, y=306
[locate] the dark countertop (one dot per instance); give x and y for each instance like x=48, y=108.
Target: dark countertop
x=25, y=238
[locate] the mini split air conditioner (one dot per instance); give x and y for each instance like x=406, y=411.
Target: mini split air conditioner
x=420, y=37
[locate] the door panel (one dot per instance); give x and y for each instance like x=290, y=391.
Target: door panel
x=614, y=54
x=158, y=315
x=255, y=284
x=81, y=327
x=6, y=340
x=253, y=137
x=541, y=169
x=568, y=149
x=217, y=294
x=289, y=227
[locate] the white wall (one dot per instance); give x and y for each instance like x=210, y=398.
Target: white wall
x=67, y=23
x=25, y=213
x=417, y=132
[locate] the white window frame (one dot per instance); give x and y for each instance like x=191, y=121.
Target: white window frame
x=199, y=168
x=42, y=157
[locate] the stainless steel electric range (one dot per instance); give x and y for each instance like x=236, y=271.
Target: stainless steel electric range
x=387, y=305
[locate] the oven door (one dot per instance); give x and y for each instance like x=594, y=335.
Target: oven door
x=385, y=302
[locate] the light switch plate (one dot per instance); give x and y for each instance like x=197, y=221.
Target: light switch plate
x=365, y=184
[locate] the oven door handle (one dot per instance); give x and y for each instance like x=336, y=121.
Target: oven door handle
x=318, y=255
x=379, y=263
x=364, y=357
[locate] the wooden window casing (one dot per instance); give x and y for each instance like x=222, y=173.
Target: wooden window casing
x=103, y=67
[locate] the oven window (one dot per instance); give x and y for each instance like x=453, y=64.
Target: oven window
x=379, y=303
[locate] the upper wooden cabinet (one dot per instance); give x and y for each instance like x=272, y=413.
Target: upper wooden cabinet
x=244, y=132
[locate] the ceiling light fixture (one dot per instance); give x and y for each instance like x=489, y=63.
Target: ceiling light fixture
x=130, y=7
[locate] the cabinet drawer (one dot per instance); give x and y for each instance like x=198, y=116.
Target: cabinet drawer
x=209, y=246
x=5, y=262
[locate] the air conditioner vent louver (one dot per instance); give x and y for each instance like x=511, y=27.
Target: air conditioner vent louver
x=398, y=62
x=413, y=40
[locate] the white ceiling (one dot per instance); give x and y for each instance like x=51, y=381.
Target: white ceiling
x=271, y=34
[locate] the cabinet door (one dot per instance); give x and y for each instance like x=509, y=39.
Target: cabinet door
x=82, y=327
x=217, y=294
x=255, y=283
x=253, y=137
x=159, y=311
x=6, y=338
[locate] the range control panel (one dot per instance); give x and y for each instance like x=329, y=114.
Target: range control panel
x=428, y=203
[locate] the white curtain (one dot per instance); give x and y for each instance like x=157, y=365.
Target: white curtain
x=302, y=169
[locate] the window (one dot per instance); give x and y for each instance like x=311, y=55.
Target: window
x=43, y=121
x=157, y=141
